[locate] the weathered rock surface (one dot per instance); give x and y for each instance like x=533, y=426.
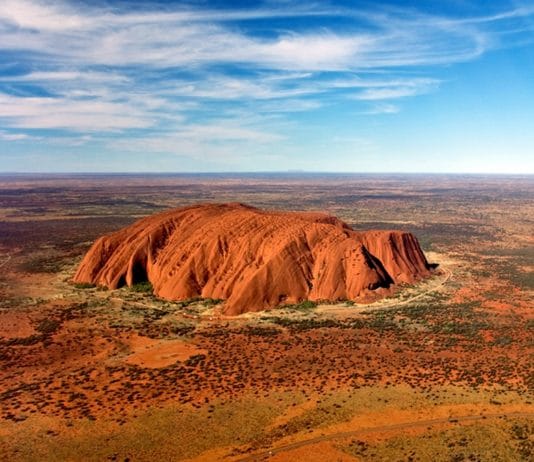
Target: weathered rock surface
x=253, y=259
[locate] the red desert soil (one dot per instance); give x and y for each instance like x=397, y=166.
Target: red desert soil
x=252, y=259
x=154, y=353
x=15, y=325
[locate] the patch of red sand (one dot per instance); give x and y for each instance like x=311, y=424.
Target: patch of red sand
x=15, y=325
x=154, y=353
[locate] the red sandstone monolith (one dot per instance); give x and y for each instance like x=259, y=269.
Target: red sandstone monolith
x=253, y=259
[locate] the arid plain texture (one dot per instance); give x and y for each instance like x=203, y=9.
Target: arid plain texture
x=437, y=370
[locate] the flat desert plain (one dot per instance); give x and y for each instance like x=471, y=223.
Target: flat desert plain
x=439, y=370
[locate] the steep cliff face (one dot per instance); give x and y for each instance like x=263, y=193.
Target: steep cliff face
x=252, y=259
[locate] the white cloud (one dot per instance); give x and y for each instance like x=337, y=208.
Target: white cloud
x=381, y=82
x=42, y=16
x=73, y=141
x=228, y=88
x=387, y=93
x=287, y=105
x=66, y=76
x=395, y=89
x=91, y=36
x=199, y=135
x=223, y=143
x=6, y=136
x=60, y=113
x=382, y=108
x=226, y=132
x=308, y=52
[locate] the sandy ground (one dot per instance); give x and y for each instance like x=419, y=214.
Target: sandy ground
x=154, y=353
x=15, y=325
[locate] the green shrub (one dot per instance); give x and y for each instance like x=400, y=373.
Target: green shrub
x=84, y=285
x=48, y=326
x=211, y=301
x=302, y=306
x=142, y=287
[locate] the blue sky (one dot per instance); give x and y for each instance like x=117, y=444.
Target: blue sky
x=405, y=86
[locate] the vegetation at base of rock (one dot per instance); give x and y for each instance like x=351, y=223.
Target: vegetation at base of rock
x=84, y=285
x=142, y=287
x=304, y=305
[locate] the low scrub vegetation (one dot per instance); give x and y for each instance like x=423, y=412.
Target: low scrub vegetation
x=142, y=287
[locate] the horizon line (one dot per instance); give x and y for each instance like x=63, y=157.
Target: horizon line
x=256, y=172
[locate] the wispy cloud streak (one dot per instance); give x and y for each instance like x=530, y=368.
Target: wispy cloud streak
x=185, y=71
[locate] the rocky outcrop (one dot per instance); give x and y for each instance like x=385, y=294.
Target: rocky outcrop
x=253, y=259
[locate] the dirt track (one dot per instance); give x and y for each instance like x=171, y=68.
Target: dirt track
x=387, y=303
x=440, y=283
x=382, y=428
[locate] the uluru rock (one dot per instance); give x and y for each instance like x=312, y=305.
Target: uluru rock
x=253, y=259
